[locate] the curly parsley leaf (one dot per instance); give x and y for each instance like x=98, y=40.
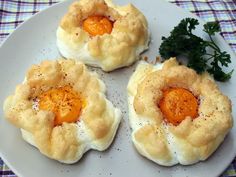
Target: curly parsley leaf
x=211, y=28
x=183, y=42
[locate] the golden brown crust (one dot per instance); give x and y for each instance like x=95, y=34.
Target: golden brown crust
x=152, y=137
x=63, y=142
x=127, y=40
x=194, y=139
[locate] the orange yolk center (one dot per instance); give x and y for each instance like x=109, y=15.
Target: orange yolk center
x=178, y=103
x=64, y=102
x=97, y=25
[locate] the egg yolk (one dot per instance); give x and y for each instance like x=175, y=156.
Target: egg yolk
x=64, y=102
x=97, y=25
x=177, y=103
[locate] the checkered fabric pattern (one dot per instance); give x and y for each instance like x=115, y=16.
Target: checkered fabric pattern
x=223, y=11
x=14, y=12
x=5, y=171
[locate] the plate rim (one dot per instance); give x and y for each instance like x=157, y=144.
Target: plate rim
x=4, y=42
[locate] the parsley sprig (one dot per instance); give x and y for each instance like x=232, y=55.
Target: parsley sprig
x=183, y=42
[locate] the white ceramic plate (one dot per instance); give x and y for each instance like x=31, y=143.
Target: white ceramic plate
x=35, y=40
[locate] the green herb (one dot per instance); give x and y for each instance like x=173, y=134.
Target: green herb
x=183, y=42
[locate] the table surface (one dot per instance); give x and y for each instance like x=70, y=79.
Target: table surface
x=14, y=12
